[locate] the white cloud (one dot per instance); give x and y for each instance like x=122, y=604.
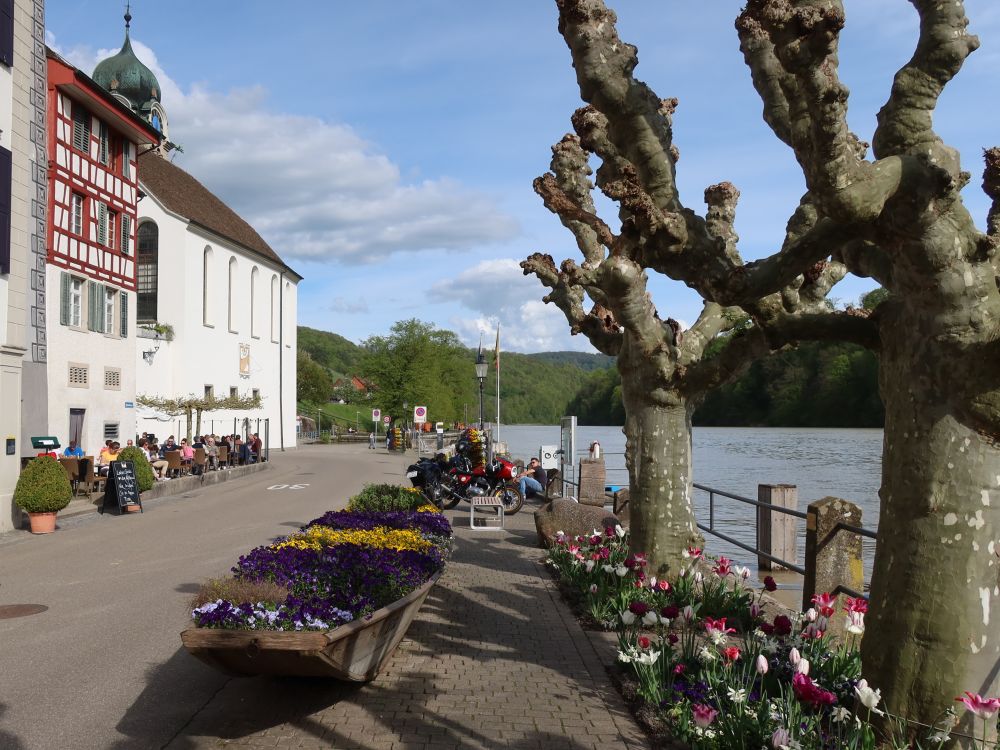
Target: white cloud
x=313, y=189
x=348, y=307
x=497, y=291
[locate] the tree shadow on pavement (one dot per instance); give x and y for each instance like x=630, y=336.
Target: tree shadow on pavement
x=8, y=741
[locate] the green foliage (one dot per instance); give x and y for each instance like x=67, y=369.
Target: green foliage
x=419, y=364
x=143, y=471
x=817, y=384
x=874, y=298
x=583, y=360
x=329, y=350
x=314, y=384
x=43, y=486
x=191, y=403
x=386, y=497
x=164, y=329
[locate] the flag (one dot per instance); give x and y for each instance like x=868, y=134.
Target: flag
x=496, y=351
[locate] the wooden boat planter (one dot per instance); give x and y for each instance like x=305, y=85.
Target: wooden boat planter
x=356, y=652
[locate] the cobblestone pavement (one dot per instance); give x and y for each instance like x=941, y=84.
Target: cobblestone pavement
x=493, y=660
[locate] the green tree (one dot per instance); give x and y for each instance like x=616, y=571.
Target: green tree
x=419, y=364
x=314, y=383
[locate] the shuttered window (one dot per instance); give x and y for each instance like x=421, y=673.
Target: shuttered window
x=104, y=151
x=70, y=300
x=7, y=32
x=81, y=129
x=109, y=311
x=126, y=241
x=123, y=306
x=5, y=192
x=102, y=224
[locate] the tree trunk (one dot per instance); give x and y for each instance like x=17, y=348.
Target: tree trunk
x=933, y=630
x=197, y=423
x=658, y=454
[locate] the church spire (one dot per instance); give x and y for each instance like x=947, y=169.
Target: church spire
x=128, y=17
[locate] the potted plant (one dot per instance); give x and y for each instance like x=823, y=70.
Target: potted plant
x=42, y=490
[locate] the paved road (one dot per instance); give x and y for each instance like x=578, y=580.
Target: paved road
x=103, y=667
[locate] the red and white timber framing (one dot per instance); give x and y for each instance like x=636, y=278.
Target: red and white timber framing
x=81, y=172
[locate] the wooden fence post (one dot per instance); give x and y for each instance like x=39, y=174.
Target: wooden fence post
x=833, y=556
x=776, y=531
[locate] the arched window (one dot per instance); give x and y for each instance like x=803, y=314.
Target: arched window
x=254, y=315
x=206, y=287
x=147, y=261
x=274, y=308
x=232, y=295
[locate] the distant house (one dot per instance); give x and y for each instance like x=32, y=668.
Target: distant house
x=359, y=385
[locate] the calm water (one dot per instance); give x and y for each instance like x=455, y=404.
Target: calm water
x=840, y=462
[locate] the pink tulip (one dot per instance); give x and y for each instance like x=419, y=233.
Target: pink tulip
x=703, y=715
x=761, y=664
x=984, y=708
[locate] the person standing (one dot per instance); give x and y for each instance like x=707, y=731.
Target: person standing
x=371, y=441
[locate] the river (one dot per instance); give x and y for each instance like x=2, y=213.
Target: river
x=820, y=462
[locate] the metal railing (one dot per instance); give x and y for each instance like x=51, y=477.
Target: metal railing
x=710, y=529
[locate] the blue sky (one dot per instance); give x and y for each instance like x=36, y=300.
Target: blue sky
x=386, y=150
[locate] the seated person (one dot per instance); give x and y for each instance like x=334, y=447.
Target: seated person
x=168, y=446
x=73, y=450
x=211, y=451
x=533, y=479
x=111, y=454
x=246, y=454
x=159, y=464
x=187, y=453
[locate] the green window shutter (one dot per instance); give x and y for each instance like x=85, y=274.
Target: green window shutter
x=64, y=288
x=95, y=306
x=124, y=244
x=102, y=224
x=123, y=298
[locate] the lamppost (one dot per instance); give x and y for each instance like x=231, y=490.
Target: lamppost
x=406, y=423
x=481, y=374
x=357, y=421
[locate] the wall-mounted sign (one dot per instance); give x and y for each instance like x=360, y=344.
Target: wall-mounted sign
x=244, y=360
x=129, y=404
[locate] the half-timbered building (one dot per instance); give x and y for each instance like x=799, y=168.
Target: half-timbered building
x=94, y=142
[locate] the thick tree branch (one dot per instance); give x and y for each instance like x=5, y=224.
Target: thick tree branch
x=731, y=362
x=991, y=186
x=713, y=321
x=590, y=231
x=598, y=325
x=904, y=123
x=854, y=325
x=637, y=123
x=572, y=171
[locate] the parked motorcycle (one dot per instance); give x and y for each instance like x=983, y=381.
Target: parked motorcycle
x=447, y=482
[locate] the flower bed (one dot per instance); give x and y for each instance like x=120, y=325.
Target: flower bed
x=704, y=667
x=332, y=599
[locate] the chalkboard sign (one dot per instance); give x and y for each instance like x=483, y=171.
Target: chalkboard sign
x=122, y=489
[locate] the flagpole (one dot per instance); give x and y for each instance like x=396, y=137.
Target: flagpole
x=497, y=363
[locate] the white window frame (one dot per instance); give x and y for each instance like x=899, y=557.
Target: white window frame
x=112, y=224
x=110, y=296
x=104, y=147
x=76, y=302
x=77, y=202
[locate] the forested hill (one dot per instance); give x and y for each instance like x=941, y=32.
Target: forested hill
x=534, y=388
x=813, y=385
x=335, y=353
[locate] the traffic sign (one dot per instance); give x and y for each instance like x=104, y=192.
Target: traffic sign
x=386, y=419
x=419, y=414
x=376, y=415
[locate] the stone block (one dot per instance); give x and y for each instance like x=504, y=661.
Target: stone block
x=571, y=518
x=593, y=478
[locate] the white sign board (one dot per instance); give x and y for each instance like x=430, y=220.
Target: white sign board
x=439, y=427
x=419, y=414
x=376, y=415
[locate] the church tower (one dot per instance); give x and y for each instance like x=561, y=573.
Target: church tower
x=134, y=85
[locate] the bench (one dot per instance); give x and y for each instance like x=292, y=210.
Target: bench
x=490, y=522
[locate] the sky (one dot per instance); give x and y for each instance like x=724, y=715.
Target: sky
x=386, y=150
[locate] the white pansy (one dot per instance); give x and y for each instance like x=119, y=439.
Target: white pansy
x=736, y=695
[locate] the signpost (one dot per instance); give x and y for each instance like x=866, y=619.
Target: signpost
x=386, y=420
x=376, y=415
x=419, y=414
x=121, y=489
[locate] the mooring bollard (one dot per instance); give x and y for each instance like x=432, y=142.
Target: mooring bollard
x=833, y=555
x=776, y=531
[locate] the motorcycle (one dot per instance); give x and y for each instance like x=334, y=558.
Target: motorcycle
x=447, y=482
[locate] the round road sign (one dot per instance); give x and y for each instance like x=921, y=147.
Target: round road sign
x=387, y=419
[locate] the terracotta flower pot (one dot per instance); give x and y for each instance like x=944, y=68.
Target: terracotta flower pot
x=42, y=523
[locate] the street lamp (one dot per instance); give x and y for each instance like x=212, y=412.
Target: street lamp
x=481, y=374
x=406, y=423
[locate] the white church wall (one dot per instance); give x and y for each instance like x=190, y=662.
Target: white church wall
x=213, y=330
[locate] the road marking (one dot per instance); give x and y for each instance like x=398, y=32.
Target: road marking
x=288, y=486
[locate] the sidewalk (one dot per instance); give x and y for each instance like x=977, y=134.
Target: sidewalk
x=493, y=660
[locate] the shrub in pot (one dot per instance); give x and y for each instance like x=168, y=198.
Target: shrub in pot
x=42, y=490
x=143, y=471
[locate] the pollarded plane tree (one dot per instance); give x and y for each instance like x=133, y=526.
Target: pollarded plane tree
x=664, y=370
x=898, y=218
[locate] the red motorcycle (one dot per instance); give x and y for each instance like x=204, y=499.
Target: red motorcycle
x=461, y=481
